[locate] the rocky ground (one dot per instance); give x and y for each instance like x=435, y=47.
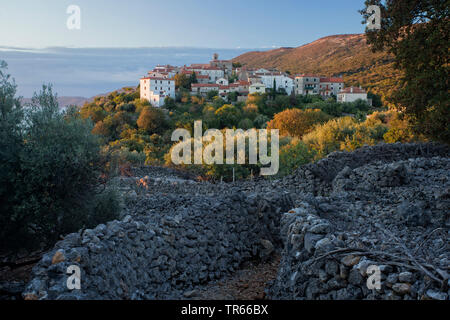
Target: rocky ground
x=386, y=205
x=15, y=272
x=247, y=283
x=395, y=216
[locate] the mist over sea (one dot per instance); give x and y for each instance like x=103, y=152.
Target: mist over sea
x=86, y=72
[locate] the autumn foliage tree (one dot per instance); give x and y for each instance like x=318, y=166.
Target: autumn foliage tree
x=228, y=115
x=296, y=122
x=182, y=81
x=151, y=120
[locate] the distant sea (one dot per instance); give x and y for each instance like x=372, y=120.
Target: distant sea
x=87, y=72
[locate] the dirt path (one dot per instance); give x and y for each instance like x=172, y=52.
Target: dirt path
x=14, y=276
x=247, y=283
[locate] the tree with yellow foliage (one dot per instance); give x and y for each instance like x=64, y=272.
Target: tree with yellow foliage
x=296, y=122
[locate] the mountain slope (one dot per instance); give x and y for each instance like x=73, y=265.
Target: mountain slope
x=346, y=55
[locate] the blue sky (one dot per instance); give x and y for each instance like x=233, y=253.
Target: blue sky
x=194, y=23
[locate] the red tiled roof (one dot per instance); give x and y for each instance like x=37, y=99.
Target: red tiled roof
x=157, y=78
x=211, y=68
x=201, y=67
x=335, y=80
x=165, y=66
x=196, y=65
x=185, y=71
x=199, y=85
x=352, y=90
x=310, y=75
x=269, y=74
x=243, y=83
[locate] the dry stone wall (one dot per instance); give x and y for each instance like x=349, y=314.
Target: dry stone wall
x=394, y=218
x=316, y=178
x=162, y=256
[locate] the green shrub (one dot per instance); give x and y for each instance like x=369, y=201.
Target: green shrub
x=293, y=155
x=52, y=177
x=106, y=206
x=344, y=134
x=245, y=124
x=261, y=121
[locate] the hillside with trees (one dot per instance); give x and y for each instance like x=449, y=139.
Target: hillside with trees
x=135, y=133
x=348, y=56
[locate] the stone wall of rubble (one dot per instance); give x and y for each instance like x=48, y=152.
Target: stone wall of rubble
x=316, y=178
x=391, y=218
x=162, y=256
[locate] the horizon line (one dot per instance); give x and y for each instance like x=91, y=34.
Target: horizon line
x=141, y=47
x=175, y=47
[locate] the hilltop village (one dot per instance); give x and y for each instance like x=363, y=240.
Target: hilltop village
x=223, y=77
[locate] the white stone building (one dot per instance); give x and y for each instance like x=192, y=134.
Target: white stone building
x=225, y=65
x=307, y=84
x=314, y=84
x=202, y=78
x=330, y=86
x=166, y=71
x=213, y=73
x=203, y=88
x=281, y=81
x=241, y=87
x=352, y=94
x=156, y=89
x=224, y=90
x=222, y=81
x=257, y=88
